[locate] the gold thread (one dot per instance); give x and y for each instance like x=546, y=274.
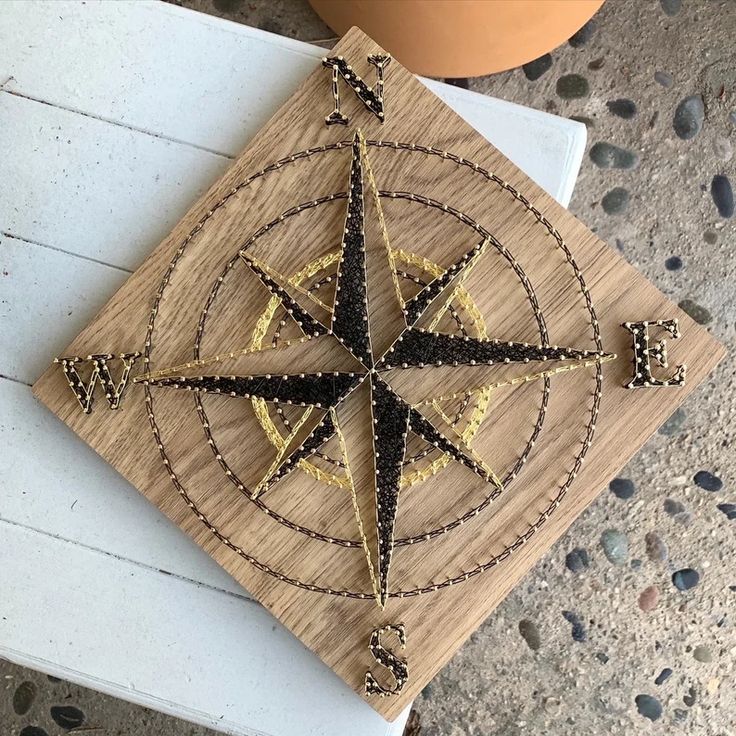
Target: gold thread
x=527, y=378
x=356, y=507
x=295, y=284
x=453, y=292
x=478, y=459
x=282, y=452
x=381, y=220
x=259, y=332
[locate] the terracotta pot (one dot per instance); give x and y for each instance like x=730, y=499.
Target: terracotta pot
x=461, y=38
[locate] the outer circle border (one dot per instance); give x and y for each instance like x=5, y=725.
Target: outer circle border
x=522, y=538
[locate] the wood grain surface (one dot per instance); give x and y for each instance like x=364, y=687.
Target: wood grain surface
x=524, y=289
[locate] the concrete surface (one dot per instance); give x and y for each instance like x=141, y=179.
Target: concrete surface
x=576, y=649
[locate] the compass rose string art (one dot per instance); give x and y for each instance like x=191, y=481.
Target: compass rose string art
x=322, y=393
x=376, y=372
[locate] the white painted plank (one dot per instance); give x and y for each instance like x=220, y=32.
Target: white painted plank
x=220, y=103
x=88, y=187
x=129, y=631
x=548, y=148
x=182, y=75
x=46, y=298
x=86, y=501
x=111, y=193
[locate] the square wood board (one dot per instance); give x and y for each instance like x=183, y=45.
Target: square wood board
x=546, y=278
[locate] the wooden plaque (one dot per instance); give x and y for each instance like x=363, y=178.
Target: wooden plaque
x=547, y=434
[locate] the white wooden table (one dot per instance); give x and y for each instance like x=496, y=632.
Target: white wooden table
x=114, y=118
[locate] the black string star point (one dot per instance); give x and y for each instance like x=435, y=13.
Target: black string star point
x=323, y=393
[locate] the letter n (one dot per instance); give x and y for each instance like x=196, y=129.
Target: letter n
x=371, y=97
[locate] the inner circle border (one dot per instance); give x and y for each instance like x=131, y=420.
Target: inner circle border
x=444, y=528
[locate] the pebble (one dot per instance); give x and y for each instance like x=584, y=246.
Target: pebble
x=67, y=716
x=648, y=598
x=636, y=564
x=686, y=578
x=583, y=35
x=663, y=675
x=598, y=63
x=578, y=627
x=729, y=509
x=602, y=657
x=707, y=481
x=674, y=424
x=684, y=517
x=267, y=24
x=533, y=70
x=710, y=237
x=529, y=631
x=572, y=87
x=577, y=560
x=672, y=507
x=722, y=193
x=226, y=6
x=608, y=156
x=679, y=715
x=616, y=201
x=673, y=263
x=622, y=108
x=723, y=149
x=689, y=117
x=664, y=78
x=671, y=7
x=615, y=546
x=649, y=707
x=23, y=697
x=656, y=548
x=33, y=731
x=702, y=654
x=700, y=314
x=622, y=487
x=691, y=697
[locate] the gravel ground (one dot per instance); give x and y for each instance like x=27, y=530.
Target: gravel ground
x=626, y=626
